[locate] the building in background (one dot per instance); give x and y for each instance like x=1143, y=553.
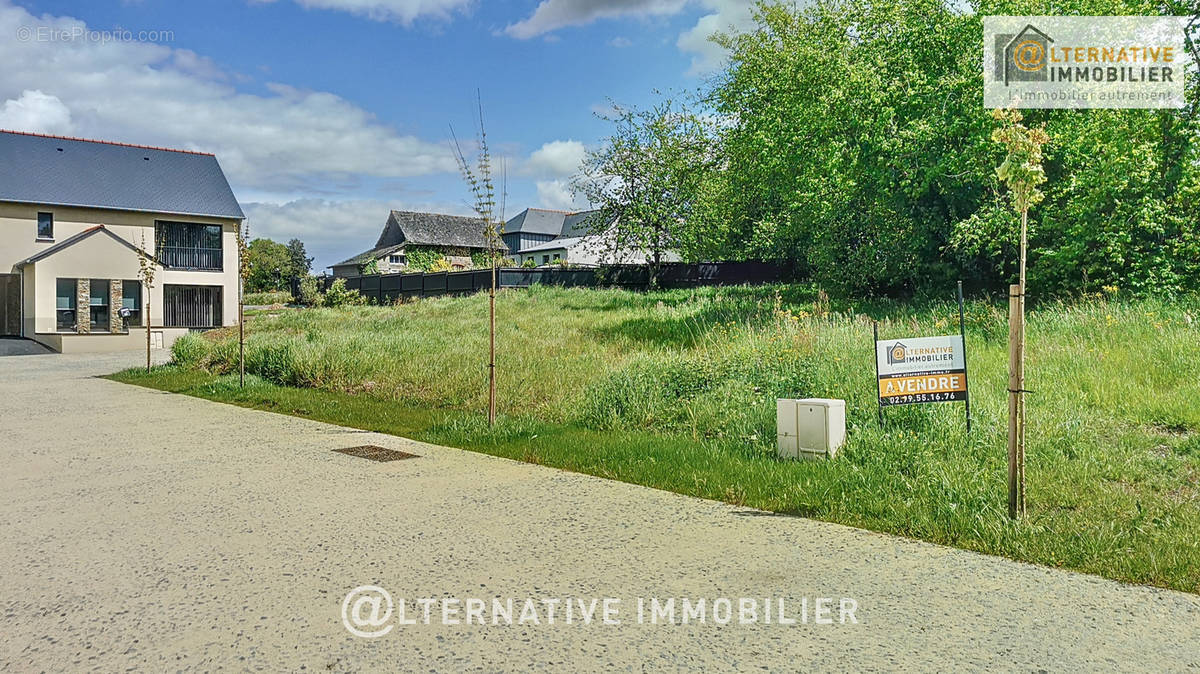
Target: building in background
x=75, y=218
x=408, y=234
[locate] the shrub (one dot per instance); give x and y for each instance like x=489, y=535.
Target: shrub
x=274, y=297
x=191, y=350
x=310, y=292
x=339, y=295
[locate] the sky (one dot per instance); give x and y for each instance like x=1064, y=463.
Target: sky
x=325, y=114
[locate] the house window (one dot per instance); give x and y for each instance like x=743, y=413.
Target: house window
x=131, y=299
x=99, y=304
x=188, y=245
x=191, y=306
x=65, y=304
x=396, y=259
x=45, y=226
x=545, y=259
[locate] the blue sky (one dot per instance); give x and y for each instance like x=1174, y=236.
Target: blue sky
x=326, y=113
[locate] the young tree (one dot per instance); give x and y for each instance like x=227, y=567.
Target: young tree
x=645, y=180
x=147, y=263
x=1022, y=172
x=244, y=271
x=478, y=176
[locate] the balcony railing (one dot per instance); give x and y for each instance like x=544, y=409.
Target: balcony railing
x=188, y=257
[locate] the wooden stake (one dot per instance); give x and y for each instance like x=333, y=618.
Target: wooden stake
x=492, y=348
x=241, y=331
x=1021, y=370
x=1014, y=387
x=1016, y=384
x=147, y=330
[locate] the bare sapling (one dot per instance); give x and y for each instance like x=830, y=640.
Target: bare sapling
x=478, y=176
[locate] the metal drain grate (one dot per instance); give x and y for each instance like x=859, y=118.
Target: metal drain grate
x=376, y=453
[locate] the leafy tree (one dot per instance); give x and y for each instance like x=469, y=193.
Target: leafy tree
x=646, y=178
x=301, y=263
x=270, y=266
x=853, y=141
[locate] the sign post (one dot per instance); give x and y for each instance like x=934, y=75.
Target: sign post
x=875, y=327
x=962, y=331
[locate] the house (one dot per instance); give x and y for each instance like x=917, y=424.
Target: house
x=405, y=233
x=535, y=226
x=541, y=237
x=77, y=216
x=586, y=251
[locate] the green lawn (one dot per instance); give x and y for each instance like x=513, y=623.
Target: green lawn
x=676, y=390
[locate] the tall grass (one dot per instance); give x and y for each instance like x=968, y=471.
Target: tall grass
x=1114, y=439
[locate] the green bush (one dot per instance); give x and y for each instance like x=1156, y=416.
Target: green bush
x=265, y=298
x=310, y=292
x=191, y=350
x=341, y=296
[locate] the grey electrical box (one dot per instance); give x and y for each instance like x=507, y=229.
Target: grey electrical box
x=811, y=428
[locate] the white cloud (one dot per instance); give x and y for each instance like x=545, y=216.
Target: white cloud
x=287, y=140
x=550, y=15
x=557, y=158
x=726, y=16
x=556, y=194
x=721, y=16
x=620, y=42
x=399, y=11
x=37, y=112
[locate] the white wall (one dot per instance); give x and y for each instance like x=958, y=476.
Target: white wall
x=99, y=256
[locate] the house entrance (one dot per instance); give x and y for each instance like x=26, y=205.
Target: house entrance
x=10, y=304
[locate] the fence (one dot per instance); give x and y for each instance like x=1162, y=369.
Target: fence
x=388, y=288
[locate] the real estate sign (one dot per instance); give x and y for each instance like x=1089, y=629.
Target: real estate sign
x=921, y=370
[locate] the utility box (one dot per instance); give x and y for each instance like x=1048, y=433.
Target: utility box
x=812, y=428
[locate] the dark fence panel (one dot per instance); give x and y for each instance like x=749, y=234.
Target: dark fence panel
x=389, y=288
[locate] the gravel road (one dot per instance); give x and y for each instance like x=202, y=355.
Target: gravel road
x=144, y=530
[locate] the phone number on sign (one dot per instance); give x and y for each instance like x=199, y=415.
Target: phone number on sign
x=923, y=398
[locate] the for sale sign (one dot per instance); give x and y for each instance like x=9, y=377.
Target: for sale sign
x=921, y=370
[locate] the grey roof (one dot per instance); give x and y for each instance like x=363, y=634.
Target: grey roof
x=59, y=171
x=536, y=221
x=546, y=221
x=557, y=244
x=579, y=224
x=432, y=229
x=71, y=241
x=373, y=254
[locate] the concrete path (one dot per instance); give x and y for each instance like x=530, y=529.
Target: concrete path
x=152, y=531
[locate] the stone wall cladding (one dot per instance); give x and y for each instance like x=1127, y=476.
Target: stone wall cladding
x=83, y=306
x=116, y=324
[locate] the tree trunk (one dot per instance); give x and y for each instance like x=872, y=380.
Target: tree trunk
x=1016, y=384
x=147, y=331
x=492, y=347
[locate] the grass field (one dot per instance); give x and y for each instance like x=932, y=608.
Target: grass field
x=676, y=390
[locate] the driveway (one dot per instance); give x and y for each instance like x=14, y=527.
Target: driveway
x=18, y=346
x=154, y=531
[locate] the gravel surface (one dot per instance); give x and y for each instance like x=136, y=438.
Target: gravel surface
x=154, y=531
